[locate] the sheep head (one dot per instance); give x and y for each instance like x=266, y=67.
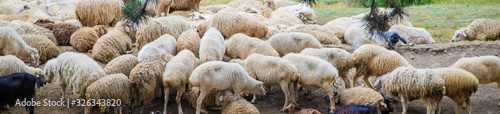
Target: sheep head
x=258, y=88
x=35, y=57
x=392, y=39
x=459, y=35
x=269, y=4
x=100, y=30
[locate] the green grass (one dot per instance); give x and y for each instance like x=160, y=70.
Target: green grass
x=441, y=18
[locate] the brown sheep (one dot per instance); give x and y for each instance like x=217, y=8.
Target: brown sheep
x=84, y=38
x=46, y=49
x=62, y=31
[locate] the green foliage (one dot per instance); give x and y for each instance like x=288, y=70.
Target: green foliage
x=135, y=12
x=384, y=3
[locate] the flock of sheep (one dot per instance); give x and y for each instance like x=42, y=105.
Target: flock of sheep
x=213, y=54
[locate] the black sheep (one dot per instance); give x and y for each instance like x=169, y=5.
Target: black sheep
x=16, y=86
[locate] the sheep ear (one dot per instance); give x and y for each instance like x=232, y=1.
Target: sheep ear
x=127, y=29
x=463, y=33
x=221, y=97
x=403, y=40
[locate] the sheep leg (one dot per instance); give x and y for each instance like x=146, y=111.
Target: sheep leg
x=404, y=102
x=355, y=78
x=167, y=10
x=328, y=89
x=286, y=90
x=309, y=94
x=269, y=89
x=344, y=77
x=167, y=92
x=498, y=85
x=121, y=108
x=63, y=87
x=468, y=108
x=429, y=105
x=178, y=99
x=459, y=108
x=295, y=91
x=253, y=99
x=367, y=82
x=200, y=100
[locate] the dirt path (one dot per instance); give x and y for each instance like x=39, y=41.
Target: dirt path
x=421, y=56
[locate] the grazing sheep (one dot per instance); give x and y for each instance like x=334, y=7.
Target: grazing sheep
x=146, y=80
x=388, y=40
x=172, y=25
x=12, y=64
x=114, y=86
x=164, y=44
x=275, y=4
x=62, y=31
x=485, y=68
x=460, y=85
x=12, y=44
x=176, y=75
x=229, y=23
x=293, y=108
x=414, y=35
x=164, y=6
x=409, y=83
x=215, y=76
x=314, y=73
x=303, y=12
x=293, y=42
x=379, y=108
x=241, y=46
x=84, y=38
x=358, y=96
x=339, y=26
x=212, y=46
x=108, y=14
x=479, y=29
x=46, y=49
x=189, y=40
x=112, y=44
x=235, y=105
x=272, y=71
x=74, y=70
x=339, y=58
x=122, y=64
x=321, y=33
x=372, y=60
x=18, y=86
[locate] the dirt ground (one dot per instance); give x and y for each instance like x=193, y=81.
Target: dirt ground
x=484, y=101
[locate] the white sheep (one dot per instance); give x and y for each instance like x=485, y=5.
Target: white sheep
x=358, y=96
x=314, y=73
x=122, y=64
x=230, y=23
x=74, y=70
x=176, y=75
x=12, y=64
x=212, y=46
x=321, y=33
x=272, y=71
x=242, y=46
x=165, y=44
x=485, y=68
x=353, y=32
x=339, y=26
x=460, y=85
x=237, y=3
x=275, y=4
x=372, y=60
x=156, y=27
x=409, y=83
x=215, y=76
x=339, y=58
x=413, y=35
x=12, y=44
x=294, y=42
x=114, y=87
x=302, y=12
x=479, y=29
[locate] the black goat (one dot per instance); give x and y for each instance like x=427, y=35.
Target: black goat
x=379, y=108
x=388, y=40
x=18, y=86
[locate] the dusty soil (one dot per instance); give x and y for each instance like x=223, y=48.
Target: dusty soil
x=484, y=101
